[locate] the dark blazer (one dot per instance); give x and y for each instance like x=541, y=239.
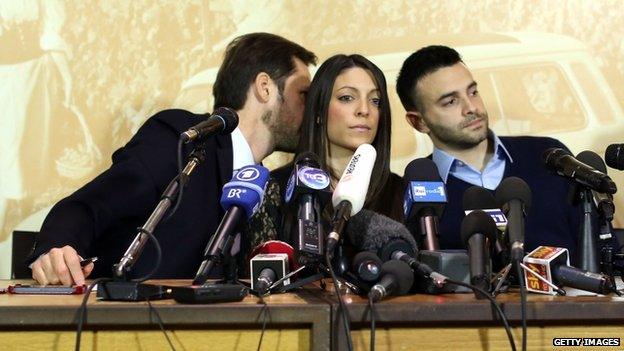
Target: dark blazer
x=101, y=218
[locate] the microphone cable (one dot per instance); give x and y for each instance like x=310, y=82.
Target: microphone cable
x=371, y=306
x=161, y=325
x=264, y=312
x=500, y=312
x=342, y=306
x=523, y=303
x=81, y=313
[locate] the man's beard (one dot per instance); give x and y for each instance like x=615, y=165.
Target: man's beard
x=286, y=138
x=456, y=136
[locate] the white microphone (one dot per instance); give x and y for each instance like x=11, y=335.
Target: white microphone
x=350, y=193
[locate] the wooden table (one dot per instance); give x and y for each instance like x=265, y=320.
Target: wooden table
x=298, y=321
x=461, y=322
x=307, y=319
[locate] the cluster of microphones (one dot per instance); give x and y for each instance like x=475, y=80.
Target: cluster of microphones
x=378, y=256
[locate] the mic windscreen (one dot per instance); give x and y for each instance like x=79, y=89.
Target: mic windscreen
x=229, y=116
x=246, y=189
x=353, y=185
x=478, y=222
x=402, y=273
x=422, y=169
x=614, y=156
x=593, y=160
x=478, y=198
x=514, y=188
x=370, y=231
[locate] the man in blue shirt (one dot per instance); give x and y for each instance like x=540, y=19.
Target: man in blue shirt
x=442, y=100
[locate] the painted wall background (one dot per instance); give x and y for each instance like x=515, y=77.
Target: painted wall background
x=79, y=77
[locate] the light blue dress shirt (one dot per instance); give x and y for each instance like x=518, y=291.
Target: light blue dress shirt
x=492, y=173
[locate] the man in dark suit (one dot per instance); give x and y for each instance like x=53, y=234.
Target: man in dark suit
x=263, y=78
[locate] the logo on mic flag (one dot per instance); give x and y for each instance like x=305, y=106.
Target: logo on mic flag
x=246, y=189
x=313, y=177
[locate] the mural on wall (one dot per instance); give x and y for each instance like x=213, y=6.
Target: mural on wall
x=78, y=78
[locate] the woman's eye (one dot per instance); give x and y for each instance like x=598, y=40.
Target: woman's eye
x=376, y=101
x=346, y=98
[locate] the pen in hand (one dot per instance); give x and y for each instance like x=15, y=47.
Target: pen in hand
x=87, y=261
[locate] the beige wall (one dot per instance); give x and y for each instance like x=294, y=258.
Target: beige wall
x=77, y=78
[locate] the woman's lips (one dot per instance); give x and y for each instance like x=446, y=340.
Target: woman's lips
x=360, y=128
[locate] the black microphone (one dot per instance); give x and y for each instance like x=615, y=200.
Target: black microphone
x=614, y=156
x=564, y=164
x=391, y=240
x=478, y=198
x=478, y=232
x=603, y=202
x=425, y=198
x=396, y=279
x=553, y=264
x=307, y=191
x=366, y=265
x=514, y=197
x=222, y=121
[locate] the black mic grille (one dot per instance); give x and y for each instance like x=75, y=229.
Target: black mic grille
x=422, y=169
x=230, y=117
x=478, y=222
x=614, y=156
x=514, y=188
x=478, y=198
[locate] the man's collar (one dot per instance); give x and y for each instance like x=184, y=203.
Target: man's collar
x=445, y=161
x=243, y=156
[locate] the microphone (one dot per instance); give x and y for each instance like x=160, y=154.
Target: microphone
x=396, y=279
x=271, y=261
x=306, y=191
x=478, y=232
x=367, y=266
x=424, y=201
x=241, y=197
x=553, y=264
x=222, y=121
x=603, y=202
x=478, y=198
x=564, y=164
x=391, y=240
x=350, y=193
x=614, y=156
x=514, y=197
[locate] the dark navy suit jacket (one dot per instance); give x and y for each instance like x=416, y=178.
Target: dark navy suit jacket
x=101, y=218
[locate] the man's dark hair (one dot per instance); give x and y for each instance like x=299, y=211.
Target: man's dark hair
x=247, y=56
x=314, y=127
x=419, y=64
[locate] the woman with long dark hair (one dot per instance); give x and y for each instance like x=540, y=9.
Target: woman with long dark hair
x=347, y=105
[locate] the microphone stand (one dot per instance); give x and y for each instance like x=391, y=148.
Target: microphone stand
x=588, y=248
x=122, y=288
x=606, y=210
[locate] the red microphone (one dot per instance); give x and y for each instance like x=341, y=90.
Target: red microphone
x=270, y=262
